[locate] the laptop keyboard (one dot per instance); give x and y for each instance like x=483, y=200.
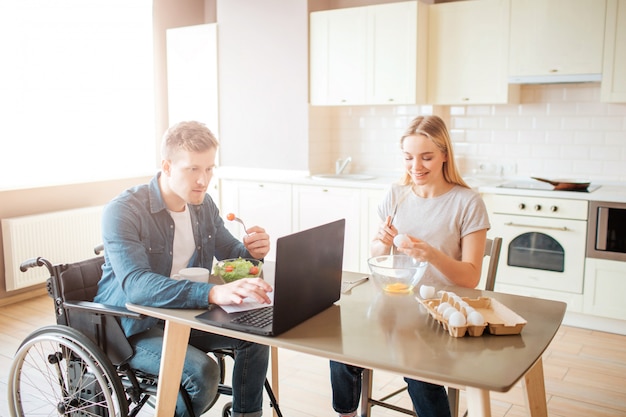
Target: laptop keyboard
x=260, y=317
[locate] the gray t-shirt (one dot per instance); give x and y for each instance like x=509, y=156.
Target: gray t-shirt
x=440, y=221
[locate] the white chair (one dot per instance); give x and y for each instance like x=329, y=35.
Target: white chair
x=492, y=250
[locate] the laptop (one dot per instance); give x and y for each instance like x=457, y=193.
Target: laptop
x=307, y=280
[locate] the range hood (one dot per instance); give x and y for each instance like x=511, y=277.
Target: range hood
x=555, y=79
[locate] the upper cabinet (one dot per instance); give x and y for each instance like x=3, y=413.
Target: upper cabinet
x=468, y=53
x=369, y=55
x=562, y=39
x=614, y=70
x=192, y=74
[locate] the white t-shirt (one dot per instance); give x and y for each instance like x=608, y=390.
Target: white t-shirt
x=184, y=243
x=440, y=221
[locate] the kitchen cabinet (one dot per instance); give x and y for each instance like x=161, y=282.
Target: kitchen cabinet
x=561, y=38
x=468, y=53
x=574, y=301
x=265, y=204
x=369, y=55
x=605, y=286
x=263, y=79
x=314, y=205
x=192, y=74
x=613, y=89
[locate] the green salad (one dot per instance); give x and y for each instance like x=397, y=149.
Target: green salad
x=234, y=269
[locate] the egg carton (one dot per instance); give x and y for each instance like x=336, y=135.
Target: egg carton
x=499, y=319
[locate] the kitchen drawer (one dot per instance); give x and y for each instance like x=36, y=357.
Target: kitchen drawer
x=574, y=301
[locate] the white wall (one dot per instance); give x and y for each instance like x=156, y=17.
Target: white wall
x=558, y=130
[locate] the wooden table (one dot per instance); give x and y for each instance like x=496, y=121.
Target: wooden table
x=395, y=334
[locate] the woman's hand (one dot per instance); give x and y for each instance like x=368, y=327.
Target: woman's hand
x=383, y=240
x=257, y=242
x=417, y=249
x=235, y=292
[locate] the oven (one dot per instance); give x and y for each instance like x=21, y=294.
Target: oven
x=607, y=231
x=543, y=241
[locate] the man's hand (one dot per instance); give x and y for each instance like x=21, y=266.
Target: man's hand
x=257, y=242
x=235, y=292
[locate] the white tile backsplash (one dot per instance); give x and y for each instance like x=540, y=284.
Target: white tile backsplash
x=558, y=130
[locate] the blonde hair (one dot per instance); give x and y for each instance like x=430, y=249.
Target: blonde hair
x=434, y=128
x=190, y=136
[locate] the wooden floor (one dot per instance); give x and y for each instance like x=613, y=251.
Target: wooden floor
x=585, y=373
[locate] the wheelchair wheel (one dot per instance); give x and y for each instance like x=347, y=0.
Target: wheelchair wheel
x=59, y=371
x=227, y=410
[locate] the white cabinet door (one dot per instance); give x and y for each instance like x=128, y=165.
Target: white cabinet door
x=613, y=88
x=605, y=286
x=338, y=56
x=316, y=205
x=468, y=53
x=192, y=74
x=264, y=204
x=395, y=49
x=368, y=55
x=556, y=37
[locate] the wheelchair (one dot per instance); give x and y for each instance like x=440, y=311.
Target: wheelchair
x=78, y=367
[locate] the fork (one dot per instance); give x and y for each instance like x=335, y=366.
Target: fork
x=346, y=286
x=234, y=218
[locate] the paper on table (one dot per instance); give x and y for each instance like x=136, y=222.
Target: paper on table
x=248, y=304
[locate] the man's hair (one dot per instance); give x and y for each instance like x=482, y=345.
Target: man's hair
x=190, y=136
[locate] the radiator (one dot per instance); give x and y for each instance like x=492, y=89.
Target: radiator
x=60, y=237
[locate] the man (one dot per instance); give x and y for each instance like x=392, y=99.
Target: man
x=153, y=230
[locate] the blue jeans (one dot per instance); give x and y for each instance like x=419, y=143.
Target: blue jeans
x=201, y=374
x=429, y=400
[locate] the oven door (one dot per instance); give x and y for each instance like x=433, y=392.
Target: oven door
x=541, y=252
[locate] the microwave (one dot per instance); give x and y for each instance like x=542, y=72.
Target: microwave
x=606, y=235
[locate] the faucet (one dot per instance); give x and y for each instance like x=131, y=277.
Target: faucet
x=341, y=164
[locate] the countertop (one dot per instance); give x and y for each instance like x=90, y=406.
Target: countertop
x=609, y=191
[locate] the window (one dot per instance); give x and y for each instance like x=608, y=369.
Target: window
x=76, y=91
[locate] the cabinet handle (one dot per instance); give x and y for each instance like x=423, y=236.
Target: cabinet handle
x=553, y=70
x=465, y=99
x=390, y=99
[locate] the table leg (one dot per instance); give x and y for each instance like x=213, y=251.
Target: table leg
x=175, y=340
x=478, y=403
x=535, y=388
x=366, y=392
x=274, y=370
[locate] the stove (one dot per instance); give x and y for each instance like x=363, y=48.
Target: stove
x=537, y=185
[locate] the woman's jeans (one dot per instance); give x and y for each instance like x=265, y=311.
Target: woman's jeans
x=201, y=373
x=429, y=400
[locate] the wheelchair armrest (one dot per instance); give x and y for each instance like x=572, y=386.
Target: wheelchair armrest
x=99, y=308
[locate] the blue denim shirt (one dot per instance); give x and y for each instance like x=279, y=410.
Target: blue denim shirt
x=138, y=237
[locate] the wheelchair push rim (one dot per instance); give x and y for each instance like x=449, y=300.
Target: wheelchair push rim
x=59, y=371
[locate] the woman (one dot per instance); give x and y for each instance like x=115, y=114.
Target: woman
x=447, y=224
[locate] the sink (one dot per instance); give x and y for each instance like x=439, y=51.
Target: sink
x=345, y=177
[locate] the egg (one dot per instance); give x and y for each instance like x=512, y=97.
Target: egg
x=475, y=319
x=448, y=312
x=442, y=307
x=456, y=319
x=426, y=291
x=401, y=238
x=468, y=309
